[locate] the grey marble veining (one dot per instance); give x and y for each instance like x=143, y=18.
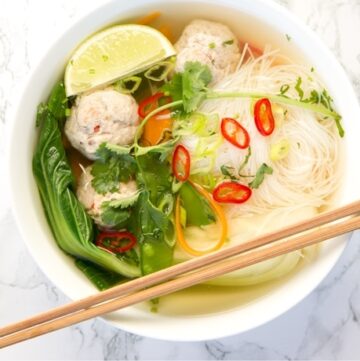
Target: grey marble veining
x=325, y=325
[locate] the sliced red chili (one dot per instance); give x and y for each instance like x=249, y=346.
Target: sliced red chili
x=264, y=119
x=235, y=133
x=151, y=103
x=231, y=192
x=114, y=241
x=181, y=163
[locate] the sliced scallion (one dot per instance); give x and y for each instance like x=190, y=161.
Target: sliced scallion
x=128, y=85
x=160, y=71
x=279, y=150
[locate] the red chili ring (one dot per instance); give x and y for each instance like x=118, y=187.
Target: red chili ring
x=116, y=237
x=263, y=116
x=151, y=103
x=235, y=133
x=231, y=192
x=181, y=163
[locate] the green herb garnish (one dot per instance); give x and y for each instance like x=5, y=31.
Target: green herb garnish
x=115, y=218
x=245, y=161
x=128, y=85
x=284, y=89
x=299, y=89
x=189, y=86
x=110, y=169
x=160, y=71
x=228, y=42
x=228, y=172
x=260, y=176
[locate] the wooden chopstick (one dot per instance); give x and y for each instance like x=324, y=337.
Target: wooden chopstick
x=93, y=306
x=174, y=271
x=181, y=268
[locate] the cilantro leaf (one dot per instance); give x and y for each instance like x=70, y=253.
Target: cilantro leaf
x=122, y=203
x=154, y=216
x=314, y=97
x=110, y=169
x=323, y=98
x=190, y=86
x=163, y=149
x=326, y=100
x=284, y=89
x=195, y=79
x=114, y=148
x=174, y=87
x=228, y=172
x=154, y=176
x=116, y=213
x=154, y=230
x=298, y=88
x=228, y=42
x=115, y=217
x=260, y=175
x=245, y=161
x=151, y=222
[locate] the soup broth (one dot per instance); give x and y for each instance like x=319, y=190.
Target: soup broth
x=210, y=299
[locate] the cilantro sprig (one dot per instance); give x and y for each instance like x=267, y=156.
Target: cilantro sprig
x=260, y=176
x=190, y=86
x=319, y=98
x=110, y=169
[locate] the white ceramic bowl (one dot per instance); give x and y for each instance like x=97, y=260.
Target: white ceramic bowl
x=257, y=20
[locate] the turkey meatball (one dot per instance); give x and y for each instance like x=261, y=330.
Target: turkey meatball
x=101, y=116
x=92, y=201
x=210, y=43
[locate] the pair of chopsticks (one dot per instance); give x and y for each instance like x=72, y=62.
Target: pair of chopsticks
x=187, y=274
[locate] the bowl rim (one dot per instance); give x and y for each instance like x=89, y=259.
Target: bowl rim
x=14, y=197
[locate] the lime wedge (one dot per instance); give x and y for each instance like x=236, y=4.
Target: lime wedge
x=114, y=53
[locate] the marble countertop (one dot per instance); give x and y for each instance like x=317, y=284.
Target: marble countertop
x=325, y=325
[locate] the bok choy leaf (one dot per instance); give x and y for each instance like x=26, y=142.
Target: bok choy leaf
x=72, y=227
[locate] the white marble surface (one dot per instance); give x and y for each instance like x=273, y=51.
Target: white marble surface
x=326, y=325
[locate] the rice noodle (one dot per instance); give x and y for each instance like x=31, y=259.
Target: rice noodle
x=308, y=175
x=301, y=183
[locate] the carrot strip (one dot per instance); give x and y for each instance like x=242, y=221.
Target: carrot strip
x=220, y=217
x=149, y=18
x=156, y=128
x=165, y=29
